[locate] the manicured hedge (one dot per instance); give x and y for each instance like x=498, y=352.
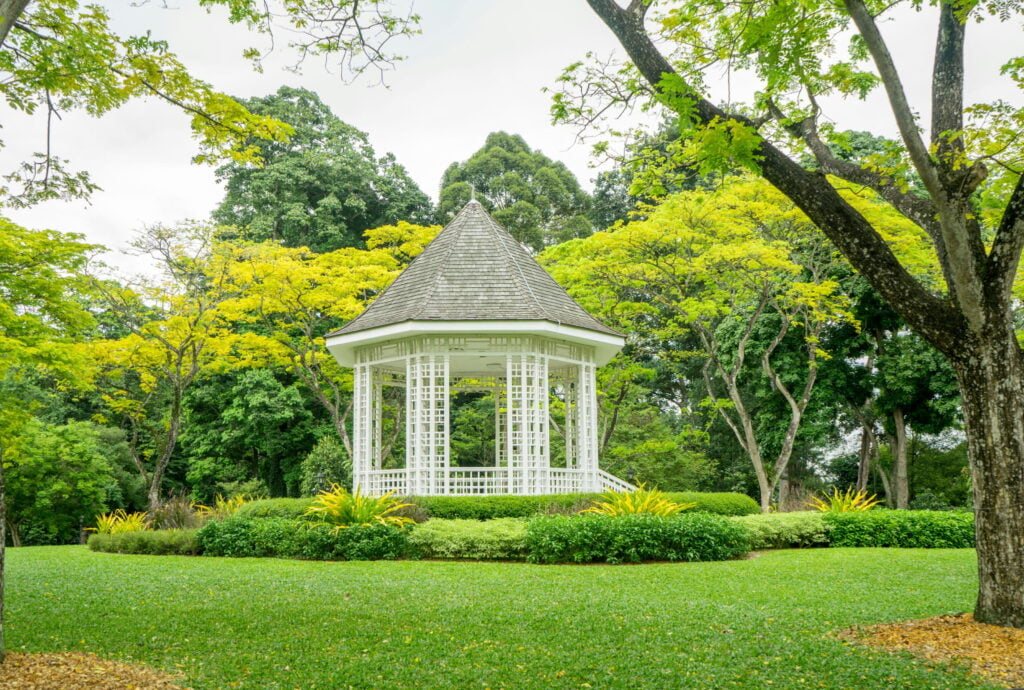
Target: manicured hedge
x=498, y=539
x=161, y=542
x=275, y=507
x=491, y=507
x=922, y=529
x=721, y=503
x=634, y=538
x=785, y=530
x=286, y=538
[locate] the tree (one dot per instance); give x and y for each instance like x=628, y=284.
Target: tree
x=537, y=199
x=284, y=301
x=243, y=424
x=60, y=55
x=144, y=376
x=41, y=272
x=326, y=464
x=736, y=268
x=973, y=208
x=322, y=188
x=58, y=477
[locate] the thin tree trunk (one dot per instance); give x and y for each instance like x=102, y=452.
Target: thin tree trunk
x=899, y=461
x=992, y=385
x=867, y=451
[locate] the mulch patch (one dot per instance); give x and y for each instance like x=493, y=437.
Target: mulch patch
x=78, y=671
x=991, y=651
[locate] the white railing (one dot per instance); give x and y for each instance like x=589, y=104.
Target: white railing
x=489, y=481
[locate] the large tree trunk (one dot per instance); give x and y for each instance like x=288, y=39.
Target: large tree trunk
x=898, y=446
x=992, y=385
x=10, y=10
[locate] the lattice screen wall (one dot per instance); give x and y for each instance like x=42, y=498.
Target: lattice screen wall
x=431, y=368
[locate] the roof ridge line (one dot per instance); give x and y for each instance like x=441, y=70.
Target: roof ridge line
x=519, y=270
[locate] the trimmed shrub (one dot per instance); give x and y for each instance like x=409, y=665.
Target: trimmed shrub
x=785, y=530
x=634, y=538
x=921, y=529
x=239, y=536
x=721, y=503
x=490, y=507
x=162, y=542
x=497, y=539
x=292, y=508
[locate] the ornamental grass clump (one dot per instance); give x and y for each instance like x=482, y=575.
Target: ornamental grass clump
x=340, y=509
x=119, y=522
x=848, y=501
x=642, y=500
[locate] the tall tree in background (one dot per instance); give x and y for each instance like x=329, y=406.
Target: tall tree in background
x=738, y=269
x=322, y=188
x=145, y=375
x=969, y=160
x=537, y=199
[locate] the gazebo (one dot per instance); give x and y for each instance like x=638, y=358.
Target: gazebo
x=476, y=312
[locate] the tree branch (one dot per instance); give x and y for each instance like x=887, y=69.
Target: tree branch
x=905, y=120
x=854, y=236
x=1004, y=257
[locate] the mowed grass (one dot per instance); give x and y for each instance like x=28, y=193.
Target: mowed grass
x=265, y=623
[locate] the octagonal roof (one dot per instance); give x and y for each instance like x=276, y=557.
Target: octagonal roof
x=474, y=270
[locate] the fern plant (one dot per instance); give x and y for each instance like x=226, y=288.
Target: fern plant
x=118, y=522
x=642, y=500
x=340, y=509
x=848, y=501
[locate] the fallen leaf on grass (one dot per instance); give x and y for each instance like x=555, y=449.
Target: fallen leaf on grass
x=78, y=671
x=991, y=651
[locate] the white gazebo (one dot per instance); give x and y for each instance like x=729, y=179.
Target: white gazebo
x=475, y=312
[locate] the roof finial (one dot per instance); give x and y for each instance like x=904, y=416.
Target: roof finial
x=472, y=192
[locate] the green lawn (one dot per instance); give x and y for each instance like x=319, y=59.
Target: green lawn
x=267, y=623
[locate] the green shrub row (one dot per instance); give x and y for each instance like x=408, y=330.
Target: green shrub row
x=287, y=538
x=164, y=542
x=785, y=530
x=490, y=540
x=491, y=507
x=921, y=529
x=634, y=538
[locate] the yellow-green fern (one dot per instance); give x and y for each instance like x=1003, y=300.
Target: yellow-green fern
x=340, y=509
x=848, y=501
x=642, y=500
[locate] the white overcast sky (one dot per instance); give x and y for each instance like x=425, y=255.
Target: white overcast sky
x=478, y=66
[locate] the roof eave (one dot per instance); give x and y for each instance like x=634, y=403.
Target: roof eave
x=343, y=345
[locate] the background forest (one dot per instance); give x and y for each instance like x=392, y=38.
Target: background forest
x=756, y=361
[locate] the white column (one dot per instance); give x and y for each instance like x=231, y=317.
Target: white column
x=528, y=442
x=586, y=429
x=570, y=382
x=427, y=457
x=362, y=427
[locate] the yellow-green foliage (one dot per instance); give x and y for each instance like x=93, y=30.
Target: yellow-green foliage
x=119, y=522
x=222, y=507
x=848, y=501
x=342, y=509
x=642, y=500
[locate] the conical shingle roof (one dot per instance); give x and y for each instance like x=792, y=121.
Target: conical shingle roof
x=474, y=270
